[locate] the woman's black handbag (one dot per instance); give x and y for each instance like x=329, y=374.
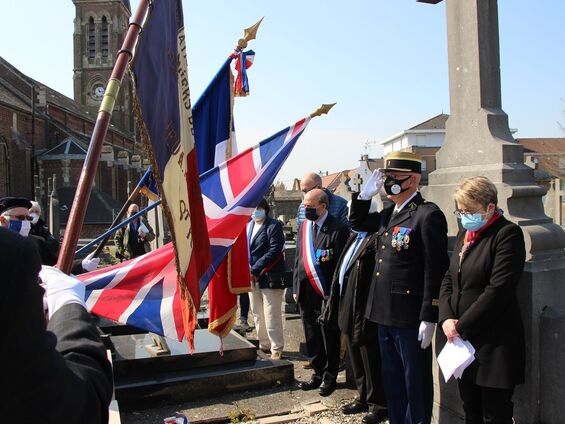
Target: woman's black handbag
x=279, y=280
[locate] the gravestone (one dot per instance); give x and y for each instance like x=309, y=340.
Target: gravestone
x=478, y=142
x=144, y=380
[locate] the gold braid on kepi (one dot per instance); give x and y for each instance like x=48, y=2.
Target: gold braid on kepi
x=403, y=162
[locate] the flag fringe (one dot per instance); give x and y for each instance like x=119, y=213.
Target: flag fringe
x=189, y=308
x=228, y=319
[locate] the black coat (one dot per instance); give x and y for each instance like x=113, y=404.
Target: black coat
x=47, y=245
x=482, y=296
x=265, y=249
x=348, y=307
x=58, y=374
x=333, y=235
x=405, y=287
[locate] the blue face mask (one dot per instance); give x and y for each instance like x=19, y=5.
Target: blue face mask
x=21, y=227
x=258, y=215
x=473, y=222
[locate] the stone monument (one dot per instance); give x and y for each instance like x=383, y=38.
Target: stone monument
x=478, y=142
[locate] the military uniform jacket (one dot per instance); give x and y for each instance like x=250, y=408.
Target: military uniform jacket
x=481, y=294
x=411, y=260
x=331, y=237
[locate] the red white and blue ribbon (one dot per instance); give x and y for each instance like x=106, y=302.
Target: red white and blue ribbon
x=243, y=61
x=313, y=271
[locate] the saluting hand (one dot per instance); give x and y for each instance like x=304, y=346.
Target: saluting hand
x=449, y=329
x=373, y=185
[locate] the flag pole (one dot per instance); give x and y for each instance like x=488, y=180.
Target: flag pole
x=115, y=228
x=119, y=216
x=84, y=187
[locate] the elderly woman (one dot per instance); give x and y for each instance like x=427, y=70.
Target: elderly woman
x=478, y=302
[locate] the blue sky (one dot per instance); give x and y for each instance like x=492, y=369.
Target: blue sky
x=383, y=61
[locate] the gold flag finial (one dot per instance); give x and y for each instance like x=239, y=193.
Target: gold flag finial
x=249, y=34
x=325, y=108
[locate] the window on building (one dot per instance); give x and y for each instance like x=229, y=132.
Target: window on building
x=91, y=39
x=424, y=165
x=104, y=38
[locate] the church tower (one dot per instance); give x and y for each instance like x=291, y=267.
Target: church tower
x=100, y=28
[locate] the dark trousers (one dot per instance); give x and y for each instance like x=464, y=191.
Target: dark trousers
x=407, y=375
x=486, y=405
x=365, y=361
x=322, y=343
x=243, y=306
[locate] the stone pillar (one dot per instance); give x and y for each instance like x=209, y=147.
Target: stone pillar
x=53, y=208
x=156, y=220
x=66, y=164
x=478, y=142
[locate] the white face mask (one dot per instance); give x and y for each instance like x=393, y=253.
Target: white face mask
x=18, y=226
x=35, y=218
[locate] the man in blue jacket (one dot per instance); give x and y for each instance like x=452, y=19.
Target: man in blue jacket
x=337, y=205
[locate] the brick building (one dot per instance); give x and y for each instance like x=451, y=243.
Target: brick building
x=43, y=133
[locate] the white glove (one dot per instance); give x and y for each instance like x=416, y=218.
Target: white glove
x=373, y=185
x=425, y=333
x=90, y=263
x=60, y=289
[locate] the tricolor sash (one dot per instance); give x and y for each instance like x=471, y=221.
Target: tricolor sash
x=313, y=271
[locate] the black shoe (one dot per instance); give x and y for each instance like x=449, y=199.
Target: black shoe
x=312, y=384
x=375, y=417
x=327, y=388
x=354, y=407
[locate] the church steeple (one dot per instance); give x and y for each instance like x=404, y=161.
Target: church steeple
x=100, y=27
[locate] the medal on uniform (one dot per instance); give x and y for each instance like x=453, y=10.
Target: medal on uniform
x=319, y=256
x=400, y=238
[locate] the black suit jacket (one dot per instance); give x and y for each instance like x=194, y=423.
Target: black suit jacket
x=405, y=287
x=58, y=374
x=333, y=235
x=482, y=296
x=265, y=249
x=348, y=303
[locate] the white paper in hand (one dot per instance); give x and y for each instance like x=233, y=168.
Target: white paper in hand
x=455, y=357
x=142, y=230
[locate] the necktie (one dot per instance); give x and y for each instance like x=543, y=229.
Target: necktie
x=315, y=230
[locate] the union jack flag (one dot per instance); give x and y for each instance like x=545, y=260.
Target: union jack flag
x=143, y=292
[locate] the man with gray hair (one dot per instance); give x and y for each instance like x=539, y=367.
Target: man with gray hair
x=337, y=206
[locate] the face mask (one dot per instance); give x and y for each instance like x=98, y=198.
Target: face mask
x=258, y=215
x=473, y=222
x=21, y=227
x=393, y=186
x=35, y=218
x=311, y=214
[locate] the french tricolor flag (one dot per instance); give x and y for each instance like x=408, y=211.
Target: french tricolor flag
x=164, y=116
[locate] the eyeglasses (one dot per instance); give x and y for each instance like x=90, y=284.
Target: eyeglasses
x=460, y=214
x=20, y=217
x=306, y=190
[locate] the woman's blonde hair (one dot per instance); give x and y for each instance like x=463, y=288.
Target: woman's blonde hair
x=479, y=190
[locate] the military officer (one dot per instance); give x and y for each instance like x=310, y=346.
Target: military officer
x=411, y=259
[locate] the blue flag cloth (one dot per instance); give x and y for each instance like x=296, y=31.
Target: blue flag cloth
x=148, y=186
x=213, y=122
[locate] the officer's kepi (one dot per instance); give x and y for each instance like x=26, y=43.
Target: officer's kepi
x=403, y=162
